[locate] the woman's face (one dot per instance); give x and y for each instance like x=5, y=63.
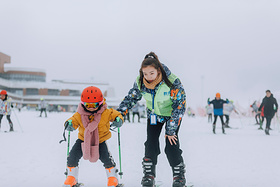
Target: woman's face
x=150, y=73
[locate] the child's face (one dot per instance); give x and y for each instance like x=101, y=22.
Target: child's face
x=3, y=97
x=150, y=73
x=91, y=109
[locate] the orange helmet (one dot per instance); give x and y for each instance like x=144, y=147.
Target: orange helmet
x=92, y=94
x=218, y=95
x=3, y=92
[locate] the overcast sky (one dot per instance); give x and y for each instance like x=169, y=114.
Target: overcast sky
x=226, y=46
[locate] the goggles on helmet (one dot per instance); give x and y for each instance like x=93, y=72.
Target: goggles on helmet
x=92, y=105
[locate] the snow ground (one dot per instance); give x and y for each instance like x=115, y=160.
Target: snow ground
x=244, y=157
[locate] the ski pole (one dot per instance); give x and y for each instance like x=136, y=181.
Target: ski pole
x=17, y=120
x=120, y=158
x=68, y=143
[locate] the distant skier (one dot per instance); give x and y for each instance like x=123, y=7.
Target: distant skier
x=92, y=118
x=270, y=108
x=43, y=107
x=127, y=116
x=6, y=108
x=257, y=113
x=166, y=104
x=135, y=111
x=228, y=108
x=218, y=110
x=209, y=111
x=190, y=112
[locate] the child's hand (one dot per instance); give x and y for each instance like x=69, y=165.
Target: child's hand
x=172, y=139
x=117, y=123
x=68, y=125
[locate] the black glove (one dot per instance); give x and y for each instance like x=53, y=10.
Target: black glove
x=117, y=123
x=69, y=126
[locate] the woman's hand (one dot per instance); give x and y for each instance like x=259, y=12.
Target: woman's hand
x=172, y=139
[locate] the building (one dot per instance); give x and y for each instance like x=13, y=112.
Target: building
x=28, y=85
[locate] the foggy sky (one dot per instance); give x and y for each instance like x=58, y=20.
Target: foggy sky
x=226, y=46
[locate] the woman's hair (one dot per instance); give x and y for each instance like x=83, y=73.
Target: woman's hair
x=151, y=59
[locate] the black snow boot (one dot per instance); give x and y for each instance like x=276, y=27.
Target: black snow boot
x=179, y=179
x=11, y=127
x=149, y=173
x=223, y=128
x=266, y=131
x=214, y=128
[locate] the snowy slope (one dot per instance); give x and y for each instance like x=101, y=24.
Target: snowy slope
x=244, y=157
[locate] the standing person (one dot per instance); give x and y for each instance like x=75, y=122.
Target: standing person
x=92, y=118
x=43, y=107
x=127, y=116
x=5, y=108
x=166, y=104
x=135, y=111
x=270, y=107
x=257, y=113
x=218, y=110
x=209, y=111
x=228, y=108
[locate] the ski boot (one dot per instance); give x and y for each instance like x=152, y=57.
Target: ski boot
x=179, y=179
x=11, y=127
x=223, y=128
x=149, y=173
x=214, y=128
x=112, y=174
x=72, y=177
x=266, y=131
x=227, y=126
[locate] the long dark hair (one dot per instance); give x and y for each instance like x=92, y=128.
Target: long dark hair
x=151, y=59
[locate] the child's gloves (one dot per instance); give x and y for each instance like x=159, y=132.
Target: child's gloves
x=68, y=125
x=117, y=123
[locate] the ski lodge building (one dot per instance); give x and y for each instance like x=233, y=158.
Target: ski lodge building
x=26, y=86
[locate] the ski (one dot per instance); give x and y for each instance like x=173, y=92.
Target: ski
x=82, y=184
x=78, y=185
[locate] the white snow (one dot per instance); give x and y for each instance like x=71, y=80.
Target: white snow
x=244, y=157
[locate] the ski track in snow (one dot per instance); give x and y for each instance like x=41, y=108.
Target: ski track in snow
x=244, y=157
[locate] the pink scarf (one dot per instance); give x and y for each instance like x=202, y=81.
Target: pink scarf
x=90, y=146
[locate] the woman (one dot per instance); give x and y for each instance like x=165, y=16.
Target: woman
x=166, y=104
x=270, y=107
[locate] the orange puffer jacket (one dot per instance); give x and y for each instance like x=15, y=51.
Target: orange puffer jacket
x=109, y=115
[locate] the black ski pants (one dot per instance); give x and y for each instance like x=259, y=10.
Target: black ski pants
x=135, y=113
x=43, y=110
x=257, y=116
x=209, y=118
x=268, y=121
x=8, y=118
x=76, y=154
x=152, y=148
x=215, y=119
x=227, y=119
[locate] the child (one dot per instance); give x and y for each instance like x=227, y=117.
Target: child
x=218, y=110
x=166, y=104
x=6, y=105
x=92, y=118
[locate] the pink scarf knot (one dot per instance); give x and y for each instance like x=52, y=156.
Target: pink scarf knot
x=90, y=146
